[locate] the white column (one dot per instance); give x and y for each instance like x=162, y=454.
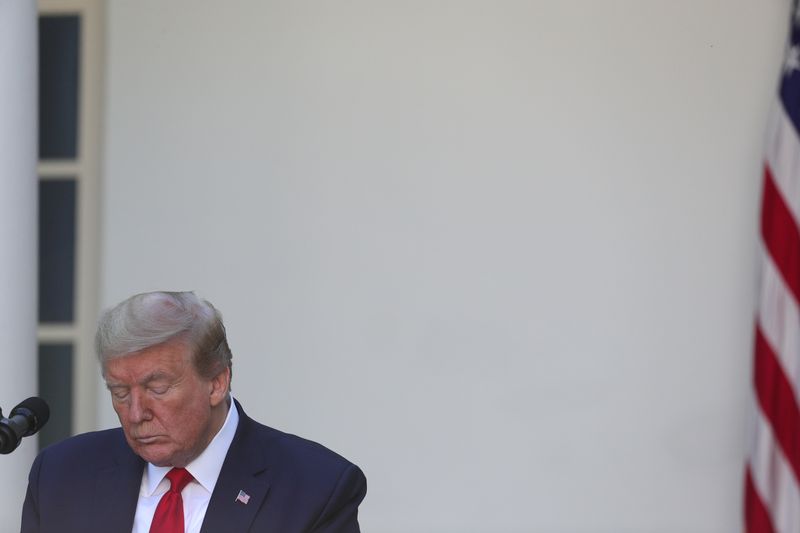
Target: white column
x=18, y=235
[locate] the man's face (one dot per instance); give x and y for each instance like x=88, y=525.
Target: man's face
x=169, y=413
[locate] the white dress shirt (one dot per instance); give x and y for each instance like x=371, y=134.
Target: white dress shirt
x=205, y=470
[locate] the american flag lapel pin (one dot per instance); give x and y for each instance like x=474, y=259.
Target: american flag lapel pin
x=243, y=497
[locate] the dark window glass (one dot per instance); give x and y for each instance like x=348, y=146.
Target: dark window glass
x=55, y=387
x=57, y=250
x=59, y=38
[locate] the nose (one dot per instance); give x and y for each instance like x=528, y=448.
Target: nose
x=138, y=409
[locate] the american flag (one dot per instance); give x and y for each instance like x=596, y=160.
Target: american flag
x=772, y=477
x=243, y=497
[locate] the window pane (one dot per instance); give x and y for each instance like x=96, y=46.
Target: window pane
x=57, y=250
x=59, y=38
x=55, y=387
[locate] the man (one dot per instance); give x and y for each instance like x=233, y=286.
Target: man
x=187, y=457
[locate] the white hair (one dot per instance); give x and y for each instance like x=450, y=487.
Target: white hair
x=151, y=318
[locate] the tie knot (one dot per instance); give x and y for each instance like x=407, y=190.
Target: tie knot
x=178, y=478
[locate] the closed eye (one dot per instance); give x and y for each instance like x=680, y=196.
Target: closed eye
x=119, y=393
x=158, y=386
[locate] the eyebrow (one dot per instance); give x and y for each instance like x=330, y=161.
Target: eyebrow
x=154, y=376
x=149, y=378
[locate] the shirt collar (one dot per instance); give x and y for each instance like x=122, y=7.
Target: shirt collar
x=205, y=468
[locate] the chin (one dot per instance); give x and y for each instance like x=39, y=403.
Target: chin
x=155, y=459
x=153, y=456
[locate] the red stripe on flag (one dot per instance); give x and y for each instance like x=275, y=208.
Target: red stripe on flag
x=756, y=516
x=777, y=400
x=774, y=374
x=780, y=234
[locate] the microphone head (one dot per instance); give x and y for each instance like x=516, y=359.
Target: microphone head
x=35, y=410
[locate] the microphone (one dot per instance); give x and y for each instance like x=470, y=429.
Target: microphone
x=26, y=419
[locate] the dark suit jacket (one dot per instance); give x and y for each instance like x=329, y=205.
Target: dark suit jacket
x=90, y=483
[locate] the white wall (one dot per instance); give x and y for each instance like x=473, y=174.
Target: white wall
x=18, y=197
x=500, y=254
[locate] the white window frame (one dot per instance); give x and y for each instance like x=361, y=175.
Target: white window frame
x=86, y=169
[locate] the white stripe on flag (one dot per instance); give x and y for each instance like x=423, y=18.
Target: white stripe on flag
x=773, y=477
x=782, y=155
x=779, y=318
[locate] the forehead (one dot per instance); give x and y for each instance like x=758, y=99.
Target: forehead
x=169, y=358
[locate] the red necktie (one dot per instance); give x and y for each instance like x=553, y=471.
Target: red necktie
x=169, y=513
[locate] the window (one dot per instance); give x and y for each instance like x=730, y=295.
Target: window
x=70, y=86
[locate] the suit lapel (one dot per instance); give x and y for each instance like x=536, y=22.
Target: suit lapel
x=244, y=470
x=117, y=491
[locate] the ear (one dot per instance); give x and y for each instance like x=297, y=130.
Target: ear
x=220, y=385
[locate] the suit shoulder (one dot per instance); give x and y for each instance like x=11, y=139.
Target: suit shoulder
x=295, y=445
x=92, y=446
x=92, y=439
x=303, y=470
x=291, y=451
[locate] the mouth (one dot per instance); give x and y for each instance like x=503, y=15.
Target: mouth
x=147, y=440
